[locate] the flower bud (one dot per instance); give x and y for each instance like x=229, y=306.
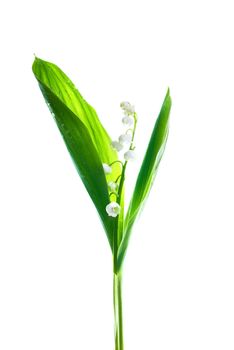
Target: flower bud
x=127, y=107
x=117, y=145
x=125, y=139
x=127, y=120
x=113, y=186
x=130, y=155
x=107, y=169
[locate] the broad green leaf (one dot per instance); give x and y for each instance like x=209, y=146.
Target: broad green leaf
x=84, y=153
x=56, y=80
x=147, y=173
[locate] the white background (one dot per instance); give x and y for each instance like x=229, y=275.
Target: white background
x=55, y=263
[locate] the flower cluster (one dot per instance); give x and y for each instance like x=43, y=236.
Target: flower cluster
x=125, y=140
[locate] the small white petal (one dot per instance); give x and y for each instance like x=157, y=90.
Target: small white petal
x=127, y=108
x=107, y=168
x=125, y=105
x=113, y=209
x=130, y=155
x=130, y=109
x=125, y=138
x=126, y=120
x=113, y=186
x=117, y=145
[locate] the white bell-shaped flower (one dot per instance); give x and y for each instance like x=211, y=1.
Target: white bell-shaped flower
x=127, y=120
x=117, y=146
x=130, y=155
x=127, y=107
x=113, y=209
x=130, y=109
x=125, y=139
x=107, y=169
x=113, y=186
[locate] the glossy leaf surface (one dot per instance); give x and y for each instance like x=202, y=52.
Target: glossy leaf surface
x=79, y=141
x=57, y=81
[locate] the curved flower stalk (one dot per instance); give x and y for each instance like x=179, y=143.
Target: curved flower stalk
x=102, y=163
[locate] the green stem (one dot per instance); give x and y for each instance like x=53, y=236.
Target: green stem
x=116, y=161
x=117, y=290
x=134, y=129
x=117, y=274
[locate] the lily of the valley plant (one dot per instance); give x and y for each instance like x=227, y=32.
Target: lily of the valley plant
x=102, y=162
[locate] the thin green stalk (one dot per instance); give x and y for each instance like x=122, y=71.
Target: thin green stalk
x=117, y=280
x=134, y=129
x=117, y=291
